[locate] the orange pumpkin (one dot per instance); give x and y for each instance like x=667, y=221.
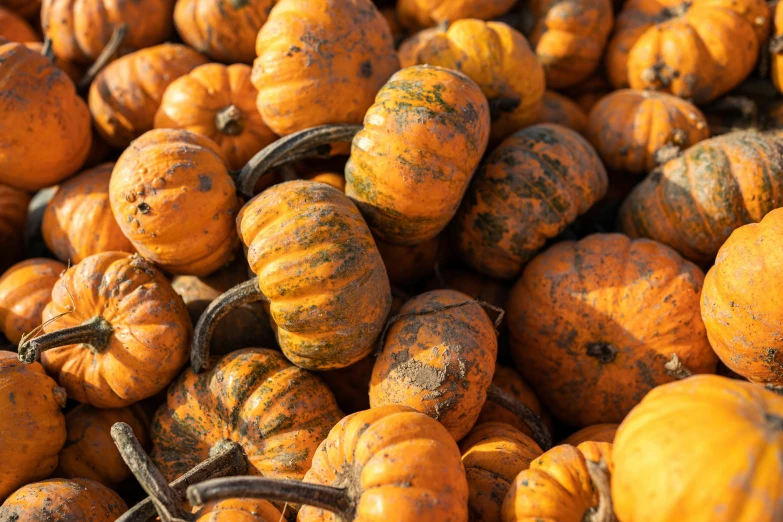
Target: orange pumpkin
x=776, y=48
x=407, y=264
x=15, y=28
x=527, y=191
x=173, y=198
x=25, y=8
x=587, y=93
x=508, y=379
x=351, y=385
x=583, y=331
x=478, y=287
x=126, y=94
x=594, y=433
x=426, y=13
x=61, y=121
x=60, y=500
x=13, y=215
x=337, y=180
x=556, y=108
x=73, y=71
x=116, y=332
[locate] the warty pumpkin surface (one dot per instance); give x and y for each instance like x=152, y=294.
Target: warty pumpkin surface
x=562, y=110
x=59, y=500
x=25, y=8
x=594, y=322
x=414, y=14
x=509, y=380
x=694, y=202
x=173, y=198
x=61, y=120
x=527, y=191
x=411, y=163
x=671, y=440
x=594, y=433
x=321, y=61
x=15, y=28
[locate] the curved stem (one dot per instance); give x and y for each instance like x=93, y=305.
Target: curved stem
x=46, y=50
x=243, y=293
x=308, y=143
x=229, y=120
x=94, y=332
x=675, y=368
x=599, y=474
x=106, y=56
x=504, y=399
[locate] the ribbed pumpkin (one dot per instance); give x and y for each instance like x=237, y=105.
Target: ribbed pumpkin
x=556, y=108
x=739, y=306
x=694, y=202
x=173, y=198
x=508, y=379
x=25, y=8
x=698, y=49
x=594, y=322
x=408, y=264
x=74, y=72
x=737, y=424
x=126, y=94
x=633, y=129
x=411, y=163
x=321, y=61
x=527, y=191
x=218, y=102
x=61, y=123
x=426, y=13
x=25, y=289
x=13, y=215
x=15, y=28
x=594, y=433
x=116, y=332
x=63, y=500
x=80, y=29
x=776, y=48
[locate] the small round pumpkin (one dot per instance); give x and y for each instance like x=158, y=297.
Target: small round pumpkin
x=594, y=433
x=15, y=28
x=556, y=108
x=25, y=8
x=335, y=179
x=13, y=216
x=414, y=14
x=408, y=264
x=508, y=380
x=776, y=48
x=74, y=71
x=60, y=500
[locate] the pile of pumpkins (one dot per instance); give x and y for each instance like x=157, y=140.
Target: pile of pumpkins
x=324, y=260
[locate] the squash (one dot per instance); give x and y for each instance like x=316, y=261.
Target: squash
x=738, y=422
x=406, y=264
x=74, y=71
x=126, y=94
x=479, y=287
x=218, y=102
x=62, y=121
x=13, y=216
x=15, y=28
x=508, y=379
x=559, y=109
x=414, y=14
x=776, y=48
x=25, y=8
x=587, y=93
x=699, y=49
x=351, y=385
x=594, y=433
x=527, y=191
x=584, y=334
x=173, y=198
x=58, y=499
x=335, y=179
x=116, y=332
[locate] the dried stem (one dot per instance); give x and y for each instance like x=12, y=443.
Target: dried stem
x=229, y=120
x=504, y=399
x=675, y=368
x=94, y=332
x=107, y=55
x=46, y=50
x=599, y=474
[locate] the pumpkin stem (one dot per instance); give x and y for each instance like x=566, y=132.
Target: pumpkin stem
x=599, y=474
x=229, y=120
x=243, y=293
x=106, y=56
x=309, y=143
x=332, y=499
x=675, y=368
x=504, y=399
x=604, y=352
x=774, y=389
x=94, y=332
x=776, y=44
x=46, y=50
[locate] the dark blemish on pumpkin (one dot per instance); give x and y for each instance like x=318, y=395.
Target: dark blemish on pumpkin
x=12, y=398
x=603, y=351
x=490, y=226
x=143, y=208
x=204, y=183
x=365, y=69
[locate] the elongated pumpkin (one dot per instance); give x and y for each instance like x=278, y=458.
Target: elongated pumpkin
x=414, y=14
x=58, y=499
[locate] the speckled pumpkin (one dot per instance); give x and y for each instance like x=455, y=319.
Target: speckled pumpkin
x=74, y=71
x=126, y=94
x=527, y=191
x=25, y=8
x=172, y=196
x=61, y=121
x=411, y=163
x=556, y=108
x=593, y=323
x=321, y=61
x=594, y=433
x=15, y=28
x=408, y=264
x=739, y=424
x=13, y=215
x=695, y=201
x=59, y=500
x=218, y=102
x=426, y=13
x=240, y=510
x=508, y=380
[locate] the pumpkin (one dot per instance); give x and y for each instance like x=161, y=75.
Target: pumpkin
x=57, y=499
x=218, y=102
x=698, y=49
x=25, y=289
x=116, y=332
x=407, y=264
x=335, y=179
x=584, y=333
x=411, y=163
x=527, y=191
x=491, y=54
x=351, y=385
x=594, y=433
x=73, y=71
x=478, y=287
x=172, y=196
x=13, y=215
x=743, y=317
x=776, y=48
x=739, y=422
x=695, y=201
x=32, y=427
x=409, y=49
x=15, y=28
x=634, y=131
x=62, y=121
x=390, y=15
x=25, y=8
x=126, y=94
x=426, y=13
x=387, y=463
x=493, y=454
x=320, y=61
x=509, y=380
x=80, y=29
x=587, y=93
x=556, y=108
x=569, y=37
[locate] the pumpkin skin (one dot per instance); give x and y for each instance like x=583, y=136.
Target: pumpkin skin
x=80, y=29
x=25, y=8
x=776, y=58
x=73, y=71
x=171, y=194
x=57, y=500
x=426, y=13
x=594, y=433
x=617, y=343
x=15, y=28
x=62, y=121
x=695, y=201
x=697, y=50
x=321, y=61
x=559, y=109
x=32, y=427
x=587, y=93
x=527, y=191
x=366, y=449
x=239, y=510
x=13, y=215
x=335, y=179
x=628, y=127
x=317, y=264
x=126, y=94
x=399, y=174
x=744, y=319
x=406, y=264
x=197, y=101
x=25, y=289
x=569, y=37
x=508, y=380
x=701, y=413
x=277, y=412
